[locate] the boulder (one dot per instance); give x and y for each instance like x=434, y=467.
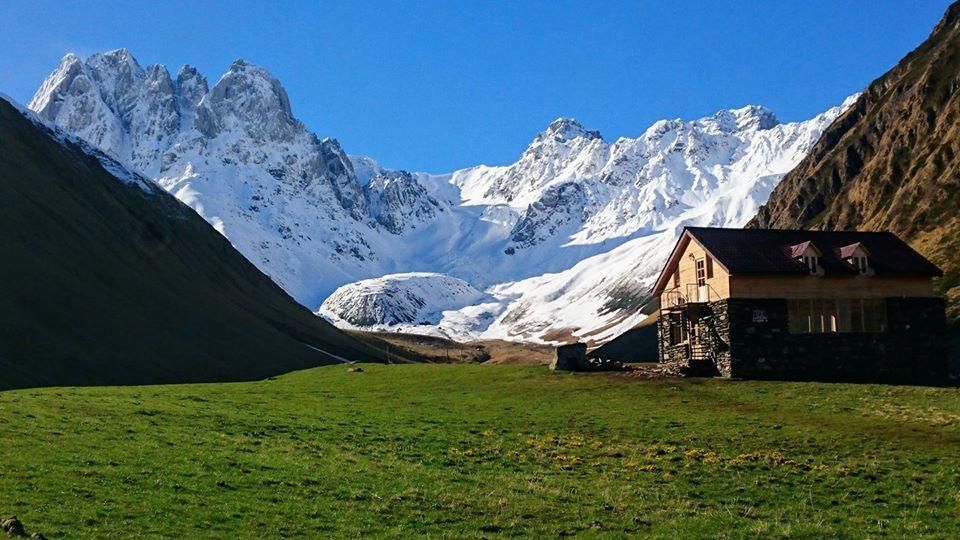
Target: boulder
x=13, y=527
x=571, y=357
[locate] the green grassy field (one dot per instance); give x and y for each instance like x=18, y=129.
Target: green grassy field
x=474, y=451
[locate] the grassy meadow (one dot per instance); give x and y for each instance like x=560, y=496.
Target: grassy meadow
x=482, y=451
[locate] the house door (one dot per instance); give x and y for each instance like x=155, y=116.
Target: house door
x=697, y=351
x=703, y=295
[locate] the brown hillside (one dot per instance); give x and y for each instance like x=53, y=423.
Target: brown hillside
x=891, y=162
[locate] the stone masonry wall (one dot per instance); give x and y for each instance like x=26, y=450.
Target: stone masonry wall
x=669, y=354
x=912, y=350
x=714, y=335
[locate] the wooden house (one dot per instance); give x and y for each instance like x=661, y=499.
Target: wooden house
x=825, y=305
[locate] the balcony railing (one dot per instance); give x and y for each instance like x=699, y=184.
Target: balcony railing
x=690, y=293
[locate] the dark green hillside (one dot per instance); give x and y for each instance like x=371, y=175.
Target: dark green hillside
x=102, y=283
x=891, y=162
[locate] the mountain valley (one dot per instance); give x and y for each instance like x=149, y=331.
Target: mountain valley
x=562, y=244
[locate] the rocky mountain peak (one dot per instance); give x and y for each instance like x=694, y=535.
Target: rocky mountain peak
x=746, y=118
x=337, y=161
x=399, y=202
x=755, y=117
x=567, y=129
x=191, y=87
x=61, y=81
x=115, y=60
x=247, y=97
x=158, y=78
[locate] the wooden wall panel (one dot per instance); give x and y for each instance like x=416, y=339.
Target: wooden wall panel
x=722, y=285
x=719, y=283
x=827, y=287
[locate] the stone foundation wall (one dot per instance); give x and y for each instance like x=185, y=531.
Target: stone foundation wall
x=669, y=354
x=912, y=350
x=715, y=337
x=715, y=334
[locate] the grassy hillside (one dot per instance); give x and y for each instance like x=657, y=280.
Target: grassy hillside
x=481, y=451
x=102, y=283
x=891, y=162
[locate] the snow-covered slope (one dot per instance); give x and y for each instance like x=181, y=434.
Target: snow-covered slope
x=591, y=223
x=564, y=242
x=414, y=299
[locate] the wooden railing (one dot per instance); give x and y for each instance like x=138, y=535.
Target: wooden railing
x=690, y=294
x=701, y=294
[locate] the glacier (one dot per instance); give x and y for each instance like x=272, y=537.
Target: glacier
x=562, y=244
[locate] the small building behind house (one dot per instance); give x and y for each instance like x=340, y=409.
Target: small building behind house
x=800, y=305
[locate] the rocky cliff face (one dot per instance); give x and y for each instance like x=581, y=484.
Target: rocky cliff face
x=891, y=162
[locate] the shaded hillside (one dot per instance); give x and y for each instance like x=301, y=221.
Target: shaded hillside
x=109, y=281
x=891, y=162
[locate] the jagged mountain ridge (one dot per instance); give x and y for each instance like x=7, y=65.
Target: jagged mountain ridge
x=600, y=217
x=233, y=152
x=564, y=241
x=892, y=162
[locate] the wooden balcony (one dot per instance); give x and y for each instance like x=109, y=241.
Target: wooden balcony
x=688, y=297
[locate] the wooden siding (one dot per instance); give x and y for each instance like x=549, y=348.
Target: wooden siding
x=829, y=287
x=719, y=284
x=723, y=285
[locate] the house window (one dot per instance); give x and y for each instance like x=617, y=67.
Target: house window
x=798, y=313
x=678, y=330
x=868, y=315
x=828, y=315
x=861, y=264
x=810, y=262
x=701, y=272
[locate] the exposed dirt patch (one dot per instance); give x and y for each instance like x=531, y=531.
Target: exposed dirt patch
x=439, y=350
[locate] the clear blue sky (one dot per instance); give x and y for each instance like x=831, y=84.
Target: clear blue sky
x=435, y=86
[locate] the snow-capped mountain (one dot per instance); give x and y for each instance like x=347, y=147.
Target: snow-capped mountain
x=287, y=200
x=564, y=242
x=591, y=222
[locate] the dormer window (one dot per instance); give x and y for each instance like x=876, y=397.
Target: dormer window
x=808, y=256
x=857, y=256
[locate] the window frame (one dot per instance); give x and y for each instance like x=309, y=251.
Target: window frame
x=861, y=263
x=837, y=316
x=700, y=266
